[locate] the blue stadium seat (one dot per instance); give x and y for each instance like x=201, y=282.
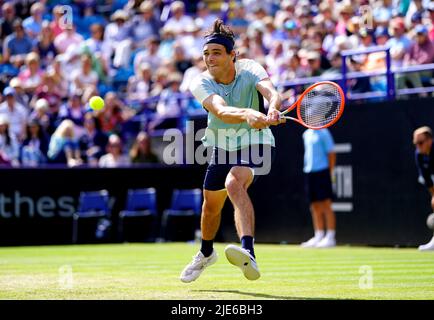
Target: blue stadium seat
x=93, y=204
x=181, y=220
x=141, y=206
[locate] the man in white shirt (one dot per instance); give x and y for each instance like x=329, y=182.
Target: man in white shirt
x=16, y=113
x=179, y=20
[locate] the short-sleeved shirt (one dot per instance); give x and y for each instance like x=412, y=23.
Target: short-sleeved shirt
x=240, y=93
x=425, y=167
x=317, y=146
x=18, y=45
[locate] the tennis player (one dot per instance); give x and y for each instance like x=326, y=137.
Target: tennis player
x=232, y=93
x=422, y=139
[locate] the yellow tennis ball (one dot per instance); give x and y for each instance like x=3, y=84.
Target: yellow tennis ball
x=96, y=103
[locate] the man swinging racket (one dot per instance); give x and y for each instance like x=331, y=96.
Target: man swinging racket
x=232, y=92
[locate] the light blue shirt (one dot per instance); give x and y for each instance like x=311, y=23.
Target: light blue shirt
x=240, y=93
x=317, y=146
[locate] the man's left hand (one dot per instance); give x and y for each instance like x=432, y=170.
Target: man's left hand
x=274, y=117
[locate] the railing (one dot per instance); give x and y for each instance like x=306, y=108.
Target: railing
x=391, y=92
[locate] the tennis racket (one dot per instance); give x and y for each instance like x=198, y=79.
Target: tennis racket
x=319, y=106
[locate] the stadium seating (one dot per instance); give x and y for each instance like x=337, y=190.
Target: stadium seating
x=181, y=220
x=138, y=220
x=94, y=205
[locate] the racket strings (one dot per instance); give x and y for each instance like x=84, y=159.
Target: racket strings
x=321, y=106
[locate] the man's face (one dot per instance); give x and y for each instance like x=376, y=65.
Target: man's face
x=10, y=99
x=216, y=58
x=422, y=142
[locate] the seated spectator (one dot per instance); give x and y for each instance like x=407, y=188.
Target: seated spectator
x=96, y=41
x=256, y=46
x=148, y=55
x=68, y=38
x=44, y=46
x=179, y=58
x=238, y=22
x=399, y=43
x=118, y=38
x=383, y=11
x=56, y=71
x=313, y=59
x=33, y=24
x=141, y=152
x=275, y=59
x=31, y=75
x=63, y=147
x=204, y=17
x=421, y=52
x=73, y=110
x=159, y=81
x=346, y=11
x=191, y=40
x=93, y=142
x=6, y=20
x=48, y=90
x=83, y=77
x=165, y=50
x=169, y=106
x=145, y=25
x=41, y=114
x=96, y=46
x=20, y=95
x=359, y=85
x=35, y=147
x=139, y=85
x=15, y=112
x=336, y=62
x=114, y=114
x=114, y=156
x=179, y=19
x=9, y=147
x=58, y=20
x=17, y=45
x=292, y=68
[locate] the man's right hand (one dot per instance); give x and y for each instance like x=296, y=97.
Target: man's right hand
x=256, y=119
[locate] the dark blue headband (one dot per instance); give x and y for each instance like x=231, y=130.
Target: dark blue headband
x=226, y=42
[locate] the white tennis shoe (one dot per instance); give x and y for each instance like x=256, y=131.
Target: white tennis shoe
x=311, y=243
x=428, y=246
x=244, y=260
x=326, y=242
x=192, y=271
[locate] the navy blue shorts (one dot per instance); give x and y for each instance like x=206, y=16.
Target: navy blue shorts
x=258, y=157
x=318, y=185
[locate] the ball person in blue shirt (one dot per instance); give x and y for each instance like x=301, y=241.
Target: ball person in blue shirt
x=319, y=163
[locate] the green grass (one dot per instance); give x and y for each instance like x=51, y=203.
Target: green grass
x=151, y=271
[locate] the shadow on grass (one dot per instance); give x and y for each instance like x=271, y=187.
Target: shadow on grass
x=266, y=296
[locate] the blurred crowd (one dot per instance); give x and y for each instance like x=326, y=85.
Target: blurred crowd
x=141, y=56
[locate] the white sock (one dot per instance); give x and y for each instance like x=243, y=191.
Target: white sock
x=319, y=234
x=331, y=234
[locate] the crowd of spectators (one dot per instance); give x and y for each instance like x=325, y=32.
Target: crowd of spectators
x=141, y=56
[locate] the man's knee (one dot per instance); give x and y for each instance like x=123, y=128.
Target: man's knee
x=238, y=178
x=231, y=184
x=209, y=208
